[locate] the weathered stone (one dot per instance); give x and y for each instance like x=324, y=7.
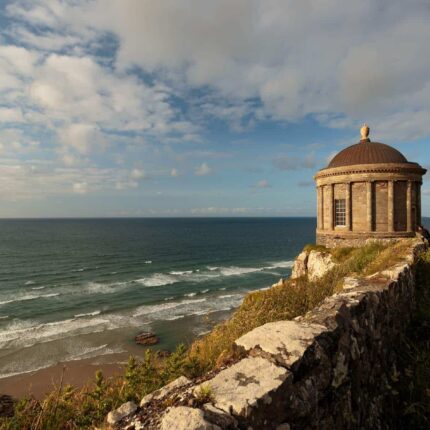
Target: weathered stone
x=319, y=263
x=285, y=340
x=219, y=417
x=183, y=418
x=166, y=390
x=300, y=265
x=146, y=338
x=125, y=410
x=394, y=272
x=313, y=264
x=238, y=389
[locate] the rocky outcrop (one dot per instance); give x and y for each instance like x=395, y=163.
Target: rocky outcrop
x=7, y=404
x=313, y=264
x=146, y=338
x=332, y=368
x=119, y=414
x=300, y=267
x=182, y=381
x=183, y=418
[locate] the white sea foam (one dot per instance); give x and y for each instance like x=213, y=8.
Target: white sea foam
x=281, y=264
x=205, y=291
x=175, y=310
x=95, y=351
x=190, y=294
x=148, y=262
x=181, y=272
x=19, y=333
x=38, y=288
x=89, y=314
x=157, y=280
x=235, y=271
x=29, y=283
x=108, y=288
x=4, y=317
x=29, y=297
x=73, y=351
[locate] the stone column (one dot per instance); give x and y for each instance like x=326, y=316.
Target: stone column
x=318, y=208
x=409, y=207
x=331, y=208
x=322, y=213
x=369, y=218
x=418, y=194
x=348, y=207
x=390, y=206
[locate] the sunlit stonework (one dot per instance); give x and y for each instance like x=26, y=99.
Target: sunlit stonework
x=369, y=190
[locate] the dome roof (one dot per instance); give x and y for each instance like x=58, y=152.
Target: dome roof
x=366, y=152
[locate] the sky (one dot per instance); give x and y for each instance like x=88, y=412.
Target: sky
x=201, y=107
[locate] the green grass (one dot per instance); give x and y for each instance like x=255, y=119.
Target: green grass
x=69, y=408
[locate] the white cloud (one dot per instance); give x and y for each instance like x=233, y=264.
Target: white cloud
x=138, y=174
x=203, y=170
x=81, y=137
x=10, y=115
x=80, y=187
x=353, y=60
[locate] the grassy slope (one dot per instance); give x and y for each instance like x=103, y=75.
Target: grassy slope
x=68, y=408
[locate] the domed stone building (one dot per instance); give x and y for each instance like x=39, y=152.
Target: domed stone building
x=368, y=191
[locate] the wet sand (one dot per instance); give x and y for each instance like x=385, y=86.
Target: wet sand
x=40, y=382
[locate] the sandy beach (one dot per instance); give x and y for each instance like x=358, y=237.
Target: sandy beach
x=40, y=382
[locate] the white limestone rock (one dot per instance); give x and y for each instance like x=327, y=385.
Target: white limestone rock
x=319, y=263
x=350, y=283
x=395, y=271
x=164, y=391
x=313, y=264
x=300, y=265
x=125, y=410
x=286, y=340
x=238, y=388
x=184, y=418
x=280, y=283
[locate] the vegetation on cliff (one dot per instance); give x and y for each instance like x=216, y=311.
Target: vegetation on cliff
x=70, y=408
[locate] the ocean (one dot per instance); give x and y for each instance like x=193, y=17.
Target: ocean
x=73, y=289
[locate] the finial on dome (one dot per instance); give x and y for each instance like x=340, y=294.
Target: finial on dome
x=364, y=130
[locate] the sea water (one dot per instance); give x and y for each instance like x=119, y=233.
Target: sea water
x=83, y=288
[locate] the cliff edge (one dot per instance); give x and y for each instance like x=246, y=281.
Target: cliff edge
x=332, y=367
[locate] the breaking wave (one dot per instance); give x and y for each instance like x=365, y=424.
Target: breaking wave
x=29, y=297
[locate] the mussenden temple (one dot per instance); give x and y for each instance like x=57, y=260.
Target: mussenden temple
x=368, y=191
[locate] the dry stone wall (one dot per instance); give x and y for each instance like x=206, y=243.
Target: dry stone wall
x=329, y=369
